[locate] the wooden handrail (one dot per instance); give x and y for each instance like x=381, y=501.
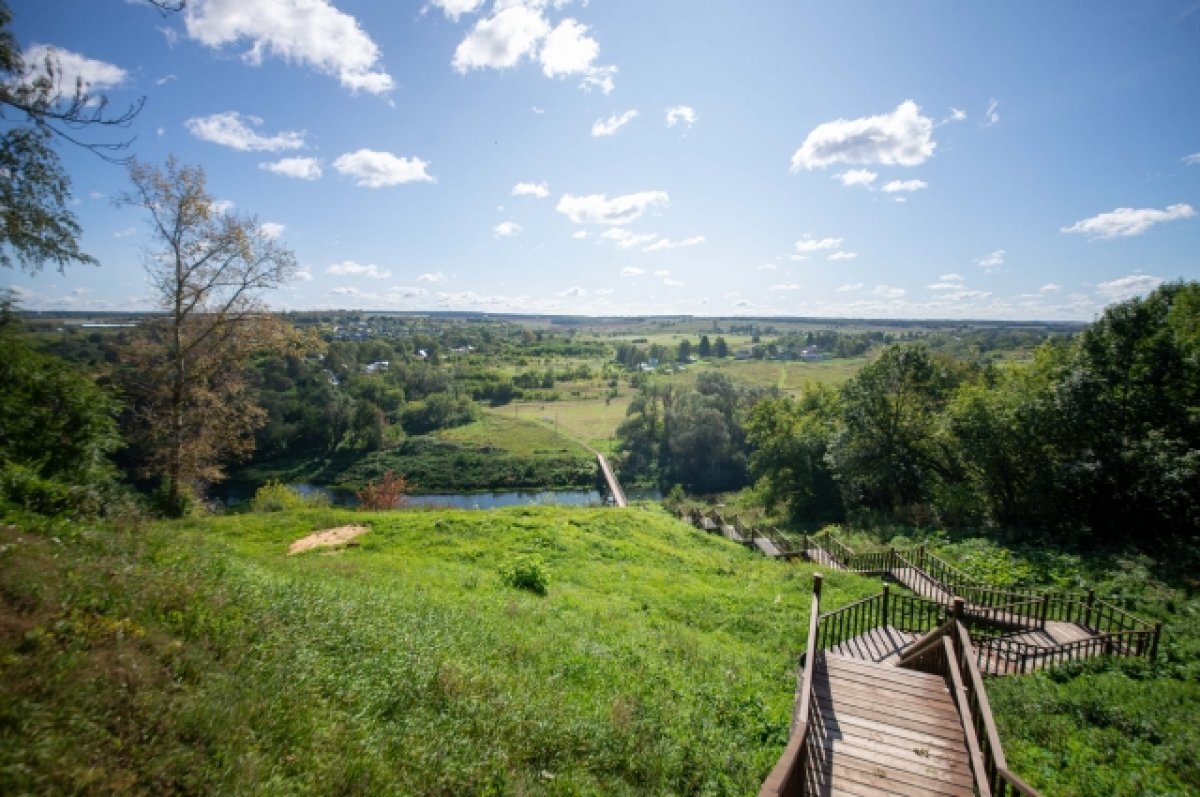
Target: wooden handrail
x=787, y=777
x=962, y=699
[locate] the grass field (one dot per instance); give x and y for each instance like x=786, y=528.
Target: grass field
x=593, y=422
x=790, y=377
x=197, y=657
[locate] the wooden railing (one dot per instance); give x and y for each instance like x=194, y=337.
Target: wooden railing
x=902, y=612
x=949, y=653
x=1001, y=656
x=787, y=778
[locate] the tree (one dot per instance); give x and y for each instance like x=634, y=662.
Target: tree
x=705, y=349
x=790, y=439
x=36, y=225
x=720, y=348
x=191, y=406
x=57, y=427
x=685, y=350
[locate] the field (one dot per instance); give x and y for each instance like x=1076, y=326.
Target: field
x=198, y=657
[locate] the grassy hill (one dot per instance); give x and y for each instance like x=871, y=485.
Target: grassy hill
x=199, y=657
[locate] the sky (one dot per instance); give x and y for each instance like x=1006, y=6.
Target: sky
x=930, y=159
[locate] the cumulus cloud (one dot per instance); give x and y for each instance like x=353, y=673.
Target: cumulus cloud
x=888, y=292
x=539, y=190
x=809, y=244
x=1124, y=222
x=310, y=32
x=852, y=177
x=670, y=283
x=956, y=115
x=850, y=286
x=352, y=269
x=519, y=30
x=453, y=9
x=788, y=286
x=609, y=126
x=506, y=229
x=599, y=209
x=667, y=243
x=303, y=275
x=272, y=229
x=299, y=168
x=991, y=262
x=372, y=169
x=768, y=267
x=70, y=69
x=434, y=276
x=573, y=292
x=1050, y=287
x=579, y=235
x=632, y=271
x=231, y=129
x=901, y=138
x=681, y=113
x=904, y=185
x=625, y=239
x=1192, y=160
x=1123, y=288
x=840, y=255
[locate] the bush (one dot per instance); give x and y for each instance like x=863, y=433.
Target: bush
x=278, y=497
x=528, y=573
x=390, y=493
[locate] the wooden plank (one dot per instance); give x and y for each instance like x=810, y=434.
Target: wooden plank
x=858, y=699
x=866, y=725
x=850, y=754
x=951, y=755
x=890, y=781
x=894, y=673
x=931, y=726
x=920, y=690
x=922, y=758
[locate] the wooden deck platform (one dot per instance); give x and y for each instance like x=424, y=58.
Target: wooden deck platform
x=881, y=645
x=881, y=730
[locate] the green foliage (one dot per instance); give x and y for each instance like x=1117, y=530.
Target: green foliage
x=790, y=441
x=277, y=497
x=438, y=411
x=198, y=657
x=527, y=573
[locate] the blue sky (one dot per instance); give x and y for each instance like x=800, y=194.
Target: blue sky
x=1023, y=160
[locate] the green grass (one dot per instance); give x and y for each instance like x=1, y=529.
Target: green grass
x=593, y=422
x=198, y=657
x=791, y=377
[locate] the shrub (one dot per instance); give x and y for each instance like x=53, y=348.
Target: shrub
x=528, y=573
x=278, y=497
x=390, y=493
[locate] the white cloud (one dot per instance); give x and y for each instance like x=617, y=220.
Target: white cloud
x=568, y=50
x=1192, y=160
x=667, y=243
x=1123, y=288
x=229, y=130
x=303, y=275
x=888, y=292
x=538, y=111
x=299, y=168
x=852, y=177
x=501, y=40
x=991, y=262
x=662, y=272
x=600, y=77
x=165, y=79
x=848, y=287
x=625, y=239
x=435, y=276
x=350, y=268
x=1050, y=287
x=539, y=190
x=579, y=235
x=681, y=113
x=372, y=169
x=599, y=209
x=670, y=283
x=904, y=185
x=71, y=68
x=453, y=9
x=790, y=286
x=506, y=229
x=956, y=115
x=272, y=229
x=1124, y=222
x=125, y=233
x=768, y=267
x=901, y=138
x=603, y=291
x=808, y=244
x=310, y=32
x=840, y=255
x=221, y=206
x=945, y=286
x=609, y=126
x=573, y=292
x=990, y=117
x=632, y=271
x=951, y=277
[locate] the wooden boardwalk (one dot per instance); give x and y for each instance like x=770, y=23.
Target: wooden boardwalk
x=881, y=730
x=880, y=645
x=614, y=487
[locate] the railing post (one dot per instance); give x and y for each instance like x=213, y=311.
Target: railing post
x=1087, y=615
x=886, y=590
x=1045, y=608
x=921, y=556
x=891, y=563
x=817, y=585
x=1154, y=640
x=959, y=605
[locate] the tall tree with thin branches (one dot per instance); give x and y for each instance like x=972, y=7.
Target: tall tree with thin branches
x=192, y=410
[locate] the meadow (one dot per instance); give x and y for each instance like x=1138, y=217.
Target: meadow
x=197, y=656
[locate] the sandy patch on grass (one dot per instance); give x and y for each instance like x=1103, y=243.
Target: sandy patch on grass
x=326, y=538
